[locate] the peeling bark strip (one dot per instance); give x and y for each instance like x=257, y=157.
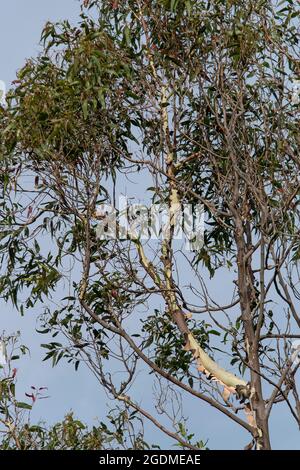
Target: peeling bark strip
x=230, y=382
x=205, y=364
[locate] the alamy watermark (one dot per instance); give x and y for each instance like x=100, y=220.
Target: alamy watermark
x=159, y=221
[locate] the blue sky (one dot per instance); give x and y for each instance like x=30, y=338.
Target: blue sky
x=21, y=25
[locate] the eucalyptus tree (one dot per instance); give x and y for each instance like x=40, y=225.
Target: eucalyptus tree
x=201, y=98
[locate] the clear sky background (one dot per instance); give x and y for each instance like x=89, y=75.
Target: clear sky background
x=21, y=23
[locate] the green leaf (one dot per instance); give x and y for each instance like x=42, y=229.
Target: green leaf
x=24, y=406
x=127, y=36
x=85, y=109
x=214, y=332
x=173, y=5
